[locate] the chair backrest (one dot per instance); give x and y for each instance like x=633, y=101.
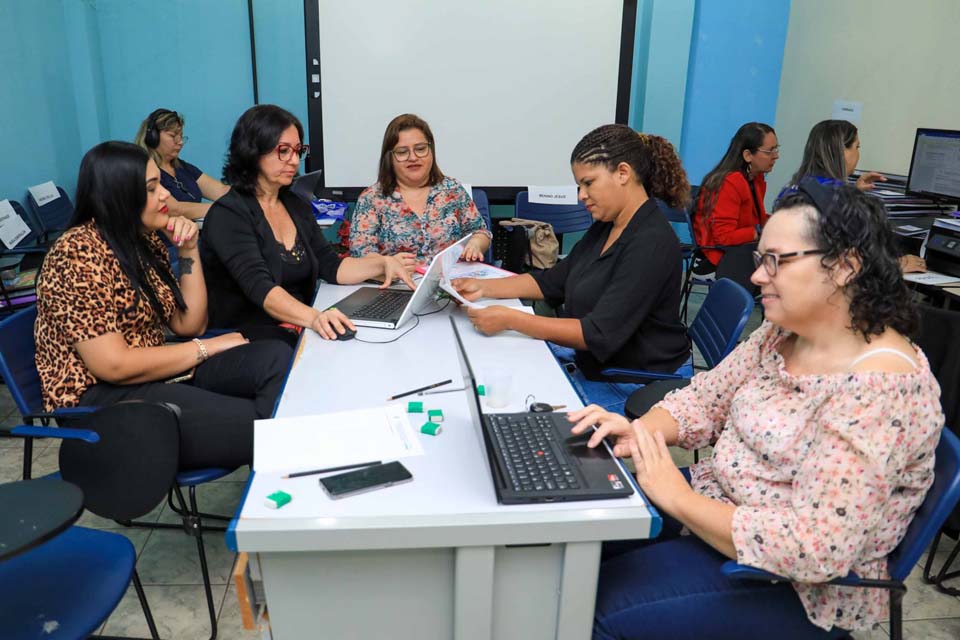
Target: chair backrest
x=564, y=218
x=941, y=499
x=55, y=215
x=129, y=471
x=721, y=320
x=483, y=206
x=939, y=337
x=17, y=366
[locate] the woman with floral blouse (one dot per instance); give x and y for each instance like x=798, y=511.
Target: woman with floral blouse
x=824, y=424
x=413, y=211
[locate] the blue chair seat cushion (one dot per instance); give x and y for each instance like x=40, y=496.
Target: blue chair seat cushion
x=199, y=476
x=65, y=588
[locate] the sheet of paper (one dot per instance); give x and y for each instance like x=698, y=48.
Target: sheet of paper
x=849, y=110
x=333, y=439
x=909, y=228
x=44, y=193
x=469, y=188
x=954, y=290
x=12, y=227
x=560, y=194
x=930, y=277
x=477, y=270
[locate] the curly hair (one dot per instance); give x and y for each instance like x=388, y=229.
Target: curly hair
x=846, y=223
x=652, y=158
x=256, y=133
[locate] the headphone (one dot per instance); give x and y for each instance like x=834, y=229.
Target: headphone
x=151, y=137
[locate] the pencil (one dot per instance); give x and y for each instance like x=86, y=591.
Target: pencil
x=345, y=467
x=413, y=391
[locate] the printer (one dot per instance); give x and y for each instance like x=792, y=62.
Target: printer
x=943, y=247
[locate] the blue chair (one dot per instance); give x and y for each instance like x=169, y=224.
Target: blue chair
x=564, y=218
x=483, y=206
x=715, y=331
x=17, y=367
x=54, y=216
x=71, y=584
x=943, y=496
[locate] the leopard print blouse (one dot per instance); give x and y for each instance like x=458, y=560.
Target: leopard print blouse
x=82, y=294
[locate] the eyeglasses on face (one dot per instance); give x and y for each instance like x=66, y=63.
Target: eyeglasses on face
x=771, y=261
x=775, y=151
x=177, y=136
x=402, y=154
x=284, y=151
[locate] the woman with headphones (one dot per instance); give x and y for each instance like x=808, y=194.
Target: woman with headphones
x=161, y=134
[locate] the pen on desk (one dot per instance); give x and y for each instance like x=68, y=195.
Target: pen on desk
x=345, y=467
x=418, y=390
x=430, y=393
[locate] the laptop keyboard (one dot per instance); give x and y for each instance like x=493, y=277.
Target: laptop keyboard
x=386, y=306
x=533, y=457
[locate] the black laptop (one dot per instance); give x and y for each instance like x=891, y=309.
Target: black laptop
x=529, y=456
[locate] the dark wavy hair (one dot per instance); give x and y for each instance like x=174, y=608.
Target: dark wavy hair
x=386, y=176
x=823, y=153
x=652, y=158
x=850, y=224
x=748, y=137
x=256, y=133
x=112, y=191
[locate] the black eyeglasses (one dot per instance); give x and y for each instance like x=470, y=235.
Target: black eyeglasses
x=421, y=150
x=771, y=261
x=285, y=150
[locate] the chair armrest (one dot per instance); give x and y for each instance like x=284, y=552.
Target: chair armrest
x=639, y=375
x=27, y=431
x=738, y=571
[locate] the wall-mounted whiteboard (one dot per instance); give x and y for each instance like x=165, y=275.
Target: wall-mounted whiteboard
x=508, y=86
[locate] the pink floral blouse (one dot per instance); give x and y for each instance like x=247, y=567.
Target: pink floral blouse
x=826, y=471
x=386, y=224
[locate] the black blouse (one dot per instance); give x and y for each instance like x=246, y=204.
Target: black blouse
x=627, y=299
x=242, y=259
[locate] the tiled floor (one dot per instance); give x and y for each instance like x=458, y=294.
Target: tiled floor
x=170, y=570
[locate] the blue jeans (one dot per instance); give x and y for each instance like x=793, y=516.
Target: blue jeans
x=671, y=587
x=609, y=395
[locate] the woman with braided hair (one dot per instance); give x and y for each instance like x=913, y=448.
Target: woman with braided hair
x=620, y=285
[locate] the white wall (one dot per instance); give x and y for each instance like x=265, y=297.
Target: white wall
x=898, y=58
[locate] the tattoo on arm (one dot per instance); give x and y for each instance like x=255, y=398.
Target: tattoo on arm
x=186, y=266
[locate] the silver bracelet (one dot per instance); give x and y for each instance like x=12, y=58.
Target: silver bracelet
x=201, y=350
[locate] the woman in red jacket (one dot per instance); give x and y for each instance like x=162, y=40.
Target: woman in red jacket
x=730, y=208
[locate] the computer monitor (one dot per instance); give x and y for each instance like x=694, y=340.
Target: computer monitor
x=935, y=165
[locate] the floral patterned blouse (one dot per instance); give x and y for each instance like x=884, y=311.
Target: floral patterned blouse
x=387, y=225
x=826, y=471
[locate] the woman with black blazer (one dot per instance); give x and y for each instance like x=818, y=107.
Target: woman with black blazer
x=261, y=248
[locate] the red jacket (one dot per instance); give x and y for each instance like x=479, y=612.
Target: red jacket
x=734, y=217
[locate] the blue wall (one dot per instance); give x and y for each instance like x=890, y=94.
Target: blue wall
x=281, y=56
x=735, y=61
x=38, y=111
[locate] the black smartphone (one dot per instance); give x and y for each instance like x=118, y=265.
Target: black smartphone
x=367, y=479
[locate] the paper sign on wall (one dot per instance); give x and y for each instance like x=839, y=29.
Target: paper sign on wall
x=552, y=195
x=847, y=110
x=12, y=227
x=44, y=193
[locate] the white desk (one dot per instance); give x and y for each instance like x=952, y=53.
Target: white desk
x=437, y=557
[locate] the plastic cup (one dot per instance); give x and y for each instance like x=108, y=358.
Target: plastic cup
x=499, y=388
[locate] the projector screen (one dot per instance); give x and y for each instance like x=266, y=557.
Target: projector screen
x=508, y=86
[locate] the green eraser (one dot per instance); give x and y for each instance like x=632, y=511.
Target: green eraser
x=277, y=499
x=481, y=390
x=414, y=407
x=431, y=429
x=435, y=415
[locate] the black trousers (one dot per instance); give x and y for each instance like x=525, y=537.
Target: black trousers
x=218, y=406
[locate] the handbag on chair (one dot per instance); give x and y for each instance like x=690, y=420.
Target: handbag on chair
x=531, y=245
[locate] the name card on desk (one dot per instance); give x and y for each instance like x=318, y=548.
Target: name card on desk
x=12, y=227
x=333, y=439
x=552, y=195
x=44, y=193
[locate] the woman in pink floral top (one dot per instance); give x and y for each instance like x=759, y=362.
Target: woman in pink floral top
x=824, y=424
x=414, y=211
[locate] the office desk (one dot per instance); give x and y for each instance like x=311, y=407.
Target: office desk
x=437, y=557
